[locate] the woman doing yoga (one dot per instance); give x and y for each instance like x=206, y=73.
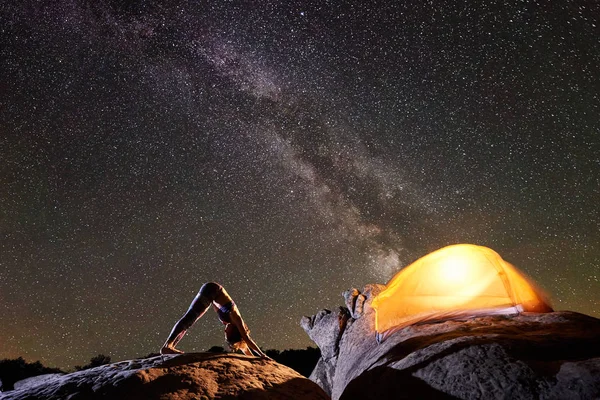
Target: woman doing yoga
x=237, y=333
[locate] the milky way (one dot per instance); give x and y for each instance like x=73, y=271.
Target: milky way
x=287, y=151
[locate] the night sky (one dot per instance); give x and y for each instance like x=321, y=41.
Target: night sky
x=287, y=150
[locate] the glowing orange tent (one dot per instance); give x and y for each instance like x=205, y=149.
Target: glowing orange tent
x=456, y=281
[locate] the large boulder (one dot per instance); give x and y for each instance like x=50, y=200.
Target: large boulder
x=185, y=376
x=526, y=356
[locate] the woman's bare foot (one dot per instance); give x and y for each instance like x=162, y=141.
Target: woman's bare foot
x=170, y=350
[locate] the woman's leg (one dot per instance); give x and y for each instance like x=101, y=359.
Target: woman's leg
x=199, y=305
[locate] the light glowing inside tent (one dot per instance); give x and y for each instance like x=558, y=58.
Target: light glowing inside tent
x=462, y=279
x=455, y=269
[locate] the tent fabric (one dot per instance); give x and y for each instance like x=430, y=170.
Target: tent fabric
x=452, y=282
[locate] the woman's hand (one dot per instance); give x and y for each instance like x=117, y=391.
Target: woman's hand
x=263, y=355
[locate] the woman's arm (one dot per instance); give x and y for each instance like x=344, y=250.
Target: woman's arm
x=237, y=320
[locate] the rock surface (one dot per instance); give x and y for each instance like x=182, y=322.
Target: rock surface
x=528, y=356
x=186, y=376
x=36, y=380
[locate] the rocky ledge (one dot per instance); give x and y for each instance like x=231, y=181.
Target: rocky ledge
x=527, y=356
x=185, y=376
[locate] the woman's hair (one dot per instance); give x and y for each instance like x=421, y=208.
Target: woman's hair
x=233, y=336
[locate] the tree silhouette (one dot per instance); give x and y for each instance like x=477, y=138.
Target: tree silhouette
x=216, y=349
x=302, y=361
x=97, y=361
x=15, y=370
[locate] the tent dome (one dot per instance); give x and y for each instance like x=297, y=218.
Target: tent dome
x=461, y=280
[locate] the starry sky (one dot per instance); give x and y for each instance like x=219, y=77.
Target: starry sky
x=287, y=150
